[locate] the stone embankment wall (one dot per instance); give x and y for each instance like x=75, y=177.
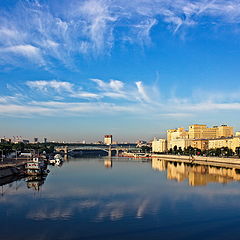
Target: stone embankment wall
x=8, y=171
x=222, y=160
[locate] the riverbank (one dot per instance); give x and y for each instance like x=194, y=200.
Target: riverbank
x=11, y=168
x=217, y=161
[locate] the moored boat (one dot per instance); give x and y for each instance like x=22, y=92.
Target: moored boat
x=36, y=166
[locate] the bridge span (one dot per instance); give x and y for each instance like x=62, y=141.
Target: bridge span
x=106, y=148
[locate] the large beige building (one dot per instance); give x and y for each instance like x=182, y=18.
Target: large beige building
x=198, y=131
x=231, y=143
x=174, y=134
x=180, y=143
x=197, y=136
x=159, y=145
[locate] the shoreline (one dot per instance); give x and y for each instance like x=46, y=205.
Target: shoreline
x=214, y=161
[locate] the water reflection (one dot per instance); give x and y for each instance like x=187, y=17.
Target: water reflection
x=35, y=182
x=197, y=175
x=108, y=163
x=84, y=200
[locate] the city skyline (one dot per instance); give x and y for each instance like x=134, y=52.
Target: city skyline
x=82, y=69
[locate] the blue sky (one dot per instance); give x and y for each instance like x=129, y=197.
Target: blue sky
x=76, y=70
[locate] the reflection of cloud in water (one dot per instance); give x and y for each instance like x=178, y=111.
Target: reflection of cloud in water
x=142, y=208
x=114, y=200
x=112, y=210
x=99, y=205
x=53, y=214
x=61, y=211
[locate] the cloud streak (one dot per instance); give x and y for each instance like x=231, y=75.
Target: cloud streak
x=103, y=98
x=47, y=33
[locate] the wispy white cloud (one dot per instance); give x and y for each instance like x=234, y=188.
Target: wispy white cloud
x=88, y=95
x=142, y=92
x=139, y=100
x=28, y=51
x=112, y=89
x=92, y=27
x=58, y=86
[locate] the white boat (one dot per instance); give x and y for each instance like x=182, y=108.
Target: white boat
x=58, y=157
x=57, y=160
x=36, y=166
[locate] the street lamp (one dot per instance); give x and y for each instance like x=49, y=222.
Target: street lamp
x=2, y=154
x=222, y=151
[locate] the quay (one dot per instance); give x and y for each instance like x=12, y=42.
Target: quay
x=201, y=160
x=11, y=167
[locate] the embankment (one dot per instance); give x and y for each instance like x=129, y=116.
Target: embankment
x=217, y=161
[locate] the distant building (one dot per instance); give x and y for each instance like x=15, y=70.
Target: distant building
x=6, y=140
x=45, y=140
x=35, y=140
x=108, y=139
x=159, y=145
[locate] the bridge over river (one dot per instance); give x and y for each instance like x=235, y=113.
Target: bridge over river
x=109, y=149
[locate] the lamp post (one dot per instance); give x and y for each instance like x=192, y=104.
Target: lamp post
x=222, y=149
x=2, y=154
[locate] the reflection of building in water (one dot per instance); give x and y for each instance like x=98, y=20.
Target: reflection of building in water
x=108, y=163
x=158, y=164
x=197, y=175
x=35, y=182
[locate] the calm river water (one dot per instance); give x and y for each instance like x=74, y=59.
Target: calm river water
x=123, y=199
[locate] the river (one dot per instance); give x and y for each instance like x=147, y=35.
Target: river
x=95, y=198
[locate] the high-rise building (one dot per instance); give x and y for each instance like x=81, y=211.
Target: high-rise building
x=108, y=139
x=35, y=140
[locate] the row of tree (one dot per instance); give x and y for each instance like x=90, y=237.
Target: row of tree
x=224, y=151
x=8, y=147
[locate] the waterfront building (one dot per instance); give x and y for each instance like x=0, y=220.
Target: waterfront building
x=173, y=134
x=108, y=139
x=225, y=131
x=199, y=131
x=180, y=143
x=197, y=136
x=231, y=143
x=201, y=144
x=159, y=145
